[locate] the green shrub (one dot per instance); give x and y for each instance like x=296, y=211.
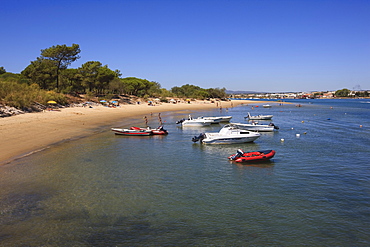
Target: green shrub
x=23, y=95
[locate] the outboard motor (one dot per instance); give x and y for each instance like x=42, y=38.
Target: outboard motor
x=161, y=128
x=180, y=121
x=239, y=153
x=198, y=138
x=275, y=127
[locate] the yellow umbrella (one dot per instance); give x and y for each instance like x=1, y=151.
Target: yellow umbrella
x=51, y=102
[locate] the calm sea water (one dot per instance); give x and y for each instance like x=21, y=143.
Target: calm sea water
x=108, y=190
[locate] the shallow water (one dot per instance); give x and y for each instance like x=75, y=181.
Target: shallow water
x=108, y=190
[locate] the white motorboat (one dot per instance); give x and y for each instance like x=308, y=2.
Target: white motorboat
x=267, y=106
x=215, y=120
x=195, y=122
x=257, y=127
x=229, y=134
x=225, y=119
x=259, y=117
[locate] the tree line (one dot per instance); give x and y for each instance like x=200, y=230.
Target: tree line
x=50, y=72
x=348, y=93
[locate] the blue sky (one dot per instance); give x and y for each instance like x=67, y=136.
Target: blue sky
x=257, y=45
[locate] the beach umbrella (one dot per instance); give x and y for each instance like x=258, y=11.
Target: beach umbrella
x=114, y=101
x=157, y=99
x=103, y=101
x=51, y=102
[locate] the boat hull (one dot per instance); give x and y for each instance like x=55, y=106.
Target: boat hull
x=229, y=140
x=129, y=132
x=216, y=120
x=229, y=134
x=256, y=127
x=266, y=117
x=259, y=117
x=197, y=122
x=226, y=119
x=255, y=156
x=191, y=123
x=157, y=131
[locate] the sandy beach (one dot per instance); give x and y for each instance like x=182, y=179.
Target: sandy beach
x=27, y=133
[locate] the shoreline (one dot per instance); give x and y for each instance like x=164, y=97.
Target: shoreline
x=22, y=135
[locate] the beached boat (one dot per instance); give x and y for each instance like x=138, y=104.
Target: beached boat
x=157, y=131
x=259, y=117
x=229, y=134
x=196, y=122
x=131, y=132
x=255, y=156
x=254, y=126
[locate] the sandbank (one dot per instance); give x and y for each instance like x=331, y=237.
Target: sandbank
x=25, y=134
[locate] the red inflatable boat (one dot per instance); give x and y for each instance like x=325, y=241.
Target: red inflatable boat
x=255, y=156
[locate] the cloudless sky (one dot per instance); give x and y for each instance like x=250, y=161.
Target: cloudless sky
x=254, y=45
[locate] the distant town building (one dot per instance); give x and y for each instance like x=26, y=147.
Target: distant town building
x=299, y=95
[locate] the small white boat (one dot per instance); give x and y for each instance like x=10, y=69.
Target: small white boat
x=267, y=106
x=257, y=127
x=259, y=117
x=194, y=122
x=215, y=120
x=229, y=134
x=132, y=132
x=225, y=119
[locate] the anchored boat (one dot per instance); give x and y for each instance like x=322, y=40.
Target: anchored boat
x=229, y=134
x=257, y=127
x=254, y=156
x=194, y=122
x=259, y=117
